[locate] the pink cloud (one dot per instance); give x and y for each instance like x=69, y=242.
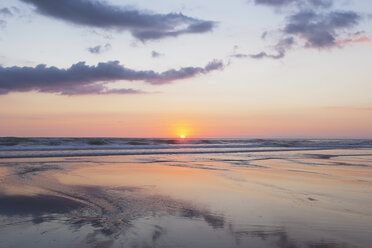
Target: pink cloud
x=354, y=40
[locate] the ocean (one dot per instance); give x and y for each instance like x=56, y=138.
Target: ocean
x=71, y=147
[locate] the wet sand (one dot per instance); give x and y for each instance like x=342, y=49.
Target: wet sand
x=314, y=199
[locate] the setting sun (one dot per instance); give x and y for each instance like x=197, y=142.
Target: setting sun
x=182, y=136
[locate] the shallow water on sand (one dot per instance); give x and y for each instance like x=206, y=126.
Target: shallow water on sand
x=314, y=198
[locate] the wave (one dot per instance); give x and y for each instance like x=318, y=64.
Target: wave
x=89, y=153
x=12, y=147
x=101, y=142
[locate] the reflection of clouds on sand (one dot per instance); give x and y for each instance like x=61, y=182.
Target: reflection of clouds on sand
x=36, y=206
x=107, y=217
x=279, y=238
x=196, y=166
x=272, y=199
x=110, y=211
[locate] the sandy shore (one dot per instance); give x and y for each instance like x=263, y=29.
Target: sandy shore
x=271, y=199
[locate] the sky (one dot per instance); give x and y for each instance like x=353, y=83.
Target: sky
x=241, y=68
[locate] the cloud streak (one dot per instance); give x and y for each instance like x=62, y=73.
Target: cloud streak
x=142, y=25
x=298, y=3
x=82, y=79
x=352, y=38
x=281, y=47
x=2, y=23
x=156, y=54
x=99, y=49
x=5, y=12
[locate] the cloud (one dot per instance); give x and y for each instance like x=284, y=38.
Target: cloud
x=199, y=27
x=9, y=12
x=310, y=24
x=142, y=25
x=275, y=3
x=155, y=54
x=2, y=23
x=84, y=79
x=280, y=48
x=320, y=30
x=352, y=38
x=300, y=3
x=5, y=12
x=363, y=39
x=260, y=55
x=99, y=49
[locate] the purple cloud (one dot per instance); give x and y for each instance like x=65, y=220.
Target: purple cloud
x=142, y=25
x=84, y=79
x=320, y=30
x=310, y=23
x=99, y=49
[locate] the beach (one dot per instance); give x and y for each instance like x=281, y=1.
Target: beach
x=195, y=193
x=185, y=124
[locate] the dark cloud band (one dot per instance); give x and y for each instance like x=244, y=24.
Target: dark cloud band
x=144, y=26
x=84, y=79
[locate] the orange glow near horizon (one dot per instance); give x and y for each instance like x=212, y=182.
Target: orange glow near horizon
x=302, y=122
x=182, y=136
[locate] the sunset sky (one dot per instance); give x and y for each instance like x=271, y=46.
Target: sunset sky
x=244, y=68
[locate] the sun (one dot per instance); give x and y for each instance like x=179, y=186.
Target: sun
x=182, y=136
